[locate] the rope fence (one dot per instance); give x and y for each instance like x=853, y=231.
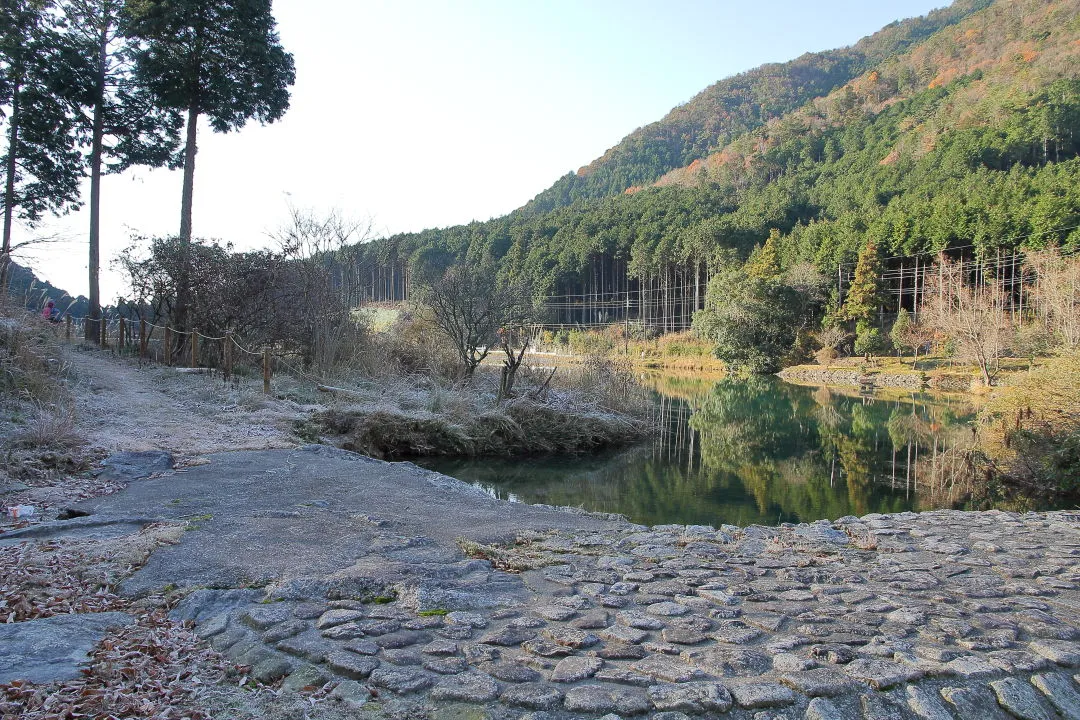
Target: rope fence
x=165, y=345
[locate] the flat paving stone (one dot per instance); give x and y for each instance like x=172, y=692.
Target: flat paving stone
x=330, y=618
x=926, y=703
x=1062, y=652
x=762, y=695
x=622, y=633
x=573, y=669
x=974, y=702
x=1061, y=691
x=880, y=707
x=400, y=680
x=446, y=665
x=53, y=649
x=667, y=669
x=533, y=696
x=351, y=665
x=594, y=699
x=510, y=672
x=1021, y=699
x=695, y=697
x=820, y=682
x=822, y=709
x=881, y=674
x=509, y=636
x=570, y=637
x=470, y=687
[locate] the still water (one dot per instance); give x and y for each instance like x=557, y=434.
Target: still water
x=754, y=450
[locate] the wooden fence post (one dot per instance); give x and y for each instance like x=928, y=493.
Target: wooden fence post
x=194, y=349
x=67, y=328
x=123, y=332
x=228, y=354
x=266, y=370
x=142, y=338
x=167, y=349
x=104, y=328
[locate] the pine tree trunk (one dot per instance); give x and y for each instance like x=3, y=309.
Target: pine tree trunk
x=91, y=330
x=183, y=284
x=9, y=189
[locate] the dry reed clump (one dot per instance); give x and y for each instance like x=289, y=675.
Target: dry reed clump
x=609, y=384
x=41, y=435
x=30, y=369
x=51, y=427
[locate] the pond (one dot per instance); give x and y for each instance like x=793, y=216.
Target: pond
x=755, y=450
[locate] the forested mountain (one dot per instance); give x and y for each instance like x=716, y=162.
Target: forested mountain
x=736, y=105
x=960, y=132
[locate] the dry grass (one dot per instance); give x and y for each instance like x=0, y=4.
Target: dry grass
x=1030, y=432
x=50, y=427
x=37, y=426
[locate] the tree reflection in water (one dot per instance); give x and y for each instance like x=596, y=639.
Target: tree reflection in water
x=754, y=450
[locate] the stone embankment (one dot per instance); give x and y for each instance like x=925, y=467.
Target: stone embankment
x=935, y=615
x=874, y=380
x=854, y=378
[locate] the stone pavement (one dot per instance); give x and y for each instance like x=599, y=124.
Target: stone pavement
x=934, y=615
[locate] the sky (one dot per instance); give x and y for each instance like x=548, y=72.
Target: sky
x=414, y=114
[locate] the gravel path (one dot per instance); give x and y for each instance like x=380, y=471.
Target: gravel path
x=121, y=405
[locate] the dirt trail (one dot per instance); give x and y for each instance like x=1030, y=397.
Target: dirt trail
x=120, y=405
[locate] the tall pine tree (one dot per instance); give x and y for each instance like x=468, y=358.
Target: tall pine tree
x=216, y=58
x=41, y=164
x=114, y=112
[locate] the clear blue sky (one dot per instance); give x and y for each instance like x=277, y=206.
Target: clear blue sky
x=426, y=114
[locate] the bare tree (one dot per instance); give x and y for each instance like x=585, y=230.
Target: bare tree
x=311, y=302
x=477, y=309
x=464, y=303
x=971, y=316
x=521, y=311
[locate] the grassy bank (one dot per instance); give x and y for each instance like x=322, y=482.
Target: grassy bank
x=595, y=407
x=38, y=427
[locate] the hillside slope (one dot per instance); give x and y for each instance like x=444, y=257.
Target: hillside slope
x=736, y=105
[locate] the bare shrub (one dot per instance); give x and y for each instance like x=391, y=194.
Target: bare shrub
x=832, y=340
x=826, y=355
x=413, y=345
x=1057, y=293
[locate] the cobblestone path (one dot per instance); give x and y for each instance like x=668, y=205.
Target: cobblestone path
x=933, y=615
